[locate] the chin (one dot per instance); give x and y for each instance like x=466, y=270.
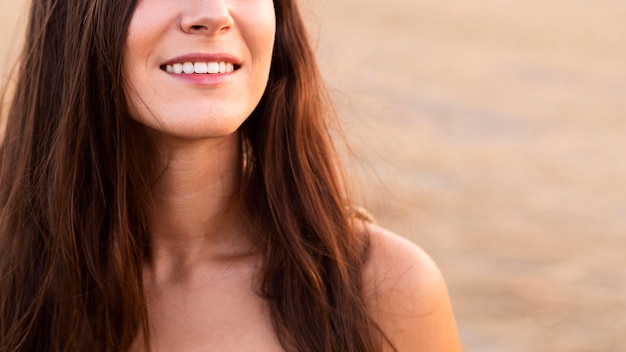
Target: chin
x=192, y=125
x=192, y=132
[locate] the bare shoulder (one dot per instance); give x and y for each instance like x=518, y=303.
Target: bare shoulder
x=407, y=295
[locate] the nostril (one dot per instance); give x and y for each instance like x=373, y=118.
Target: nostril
x=197, y=27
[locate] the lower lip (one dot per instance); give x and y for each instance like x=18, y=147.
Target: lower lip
x=204, y=79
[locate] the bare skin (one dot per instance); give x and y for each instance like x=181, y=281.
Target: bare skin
x=408, y=296
x=199, y=280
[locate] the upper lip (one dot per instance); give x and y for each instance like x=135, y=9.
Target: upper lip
x=199, y=57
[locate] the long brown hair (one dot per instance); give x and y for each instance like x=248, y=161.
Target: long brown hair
x=74, y=188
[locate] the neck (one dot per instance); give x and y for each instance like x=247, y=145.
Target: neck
x=196, y=215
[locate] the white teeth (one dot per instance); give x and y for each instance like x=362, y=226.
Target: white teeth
x=213, y=67
x=200, y=67
x=188, y=67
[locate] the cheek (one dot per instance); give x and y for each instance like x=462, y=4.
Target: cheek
x=258, y=24
x=138, y=90
x=141, y=39
x=129, y=73
x=150, y=23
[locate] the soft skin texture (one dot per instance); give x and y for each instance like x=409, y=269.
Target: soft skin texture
x=408, y=296
x=199, y=279
x=199, y=276
x=163, y=30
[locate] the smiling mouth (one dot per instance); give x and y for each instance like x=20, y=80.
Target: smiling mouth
x=187, y=68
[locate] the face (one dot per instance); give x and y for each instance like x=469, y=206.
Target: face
x=197, y=68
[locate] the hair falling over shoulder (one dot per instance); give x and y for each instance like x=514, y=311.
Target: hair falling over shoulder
x=74, y=202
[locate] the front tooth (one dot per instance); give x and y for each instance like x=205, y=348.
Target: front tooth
x=178, y=68
x=169, y=68
x=200, y=67
x=229, y=68
x=188, y=67
x=213, y=67
x=222, y=67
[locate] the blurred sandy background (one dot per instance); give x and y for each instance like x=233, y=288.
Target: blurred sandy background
x=497, y=132
x=490, y=132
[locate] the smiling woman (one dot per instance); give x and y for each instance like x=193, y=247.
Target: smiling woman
x=168, y=183
x=191, y=38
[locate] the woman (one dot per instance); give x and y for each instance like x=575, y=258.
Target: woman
x=168, y=183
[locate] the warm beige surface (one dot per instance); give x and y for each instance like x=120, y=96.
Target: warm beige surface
x=495, y=130
x=498, y=127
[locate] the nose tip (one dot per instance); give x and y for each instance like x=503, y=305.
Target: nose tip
x=211, y=17
x=203, y=28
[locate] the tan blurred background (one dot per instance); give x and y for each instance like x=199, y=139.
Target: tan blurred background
x=497, y=131
x=490, y=133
